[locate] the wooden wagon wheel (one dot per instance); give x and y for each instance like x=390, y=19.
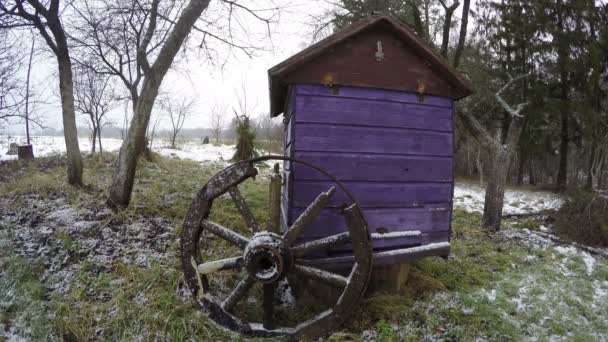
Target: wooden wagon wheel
x=268, y=257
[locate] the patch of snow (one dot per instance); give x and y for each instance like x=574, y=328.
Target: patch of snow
x=587, y=258
x=197, y=151
x=600, y=289
x=589, y=262
x=491, y=295
x=471, y=197
x=394, y=235
x=52, y=145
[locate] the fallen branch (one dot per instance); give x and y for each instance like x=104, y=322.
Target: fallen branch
x=590, y=250
x=522, y=215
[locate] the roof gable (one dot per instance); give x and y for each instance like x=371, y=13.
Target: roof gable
x=348, y=58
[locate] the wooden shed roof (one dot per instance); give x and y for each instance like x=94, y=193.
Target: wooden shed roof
x=281, y=75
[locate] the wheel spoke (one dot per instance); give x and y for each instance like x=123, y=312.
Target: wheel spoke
x=321, y=275
x=308, y=215
x=269, y=290
x=323, y=244
x=220, y=265
x=238, y=293
x=225, y=233
x=242, y=206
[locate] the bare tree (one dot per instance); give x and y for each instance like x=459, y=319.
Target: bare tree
x=94, y=99
x=11, y=98
x=270, y=130
x=447, y=25
x=45, y=17
x=499, y=151
x=151, y=133
x=137, y=41
x=217, y=121
x=27, y=93
x=177, y=111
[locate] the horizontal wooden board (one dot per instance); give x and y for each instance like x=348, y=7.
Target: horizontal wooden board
x=375, y=167
x=430, y=218
x=342, y=138
x=342, y=110
x=372, y=94
x=383, y=244
x=375, y=194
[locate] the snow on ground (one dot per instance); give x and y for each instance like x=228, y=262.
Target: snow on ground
x=196, y=151
x=557, y=293
x=470, y=197
x=467, y=196
x=48, y=145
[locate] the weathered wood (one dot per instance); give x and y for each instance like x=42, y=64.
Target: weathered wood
x=352, y=63
x=238, y=293
x=320, y=275
x=263, y=254
x=275, y=201
x=375, y=167
x=323, y=244
x=220, y=265
x=372, y=113
x=388, y=278
x=25, y=152
x=386, y=194
x=432, y=217
x=268, y=306
x=307, y=216
x=382, y=140
x=243, y=208
x=225, y=233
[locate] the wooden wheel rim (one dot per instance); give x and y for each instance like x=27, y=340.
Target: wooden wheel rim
x=313, y=328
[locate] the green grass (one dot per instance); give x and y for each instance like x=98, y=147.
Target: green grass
x=448, y=299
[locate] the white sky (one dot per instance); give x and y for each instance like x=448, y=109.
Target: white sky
x=194, y=77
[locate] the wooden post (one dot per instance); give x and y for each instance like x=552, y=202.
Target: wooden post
x=275, y=201
x=25, y=152
x=388, y=278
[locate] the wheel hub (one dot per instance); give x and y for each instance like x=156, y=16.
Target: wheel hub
x=266, y=258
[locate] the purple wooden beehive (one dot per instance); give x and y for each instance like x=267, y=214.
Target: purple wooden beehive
x=373, y=105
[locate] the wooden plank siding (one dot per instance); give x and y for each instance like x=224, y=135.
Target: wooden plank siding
x=393, y=150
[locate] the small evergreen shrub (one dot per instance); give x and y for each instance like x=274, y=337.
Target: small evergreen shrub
x=205, y=140
x=584, y=218
x=245, y=145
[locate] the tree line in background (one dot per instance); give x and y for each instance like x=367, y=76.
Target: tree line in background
x=540, y=70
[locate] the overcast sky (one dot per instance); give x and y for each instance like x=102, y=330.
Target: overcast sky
x=194, y=77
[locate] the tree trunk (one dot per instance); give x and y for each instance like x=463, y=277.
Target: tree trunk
x=562, y=172
x=562, y=56
x=99, y=137
x=66, y=89
x=27, y=94
x=522, y=162
x=94, y=139
x=480, y=169
x=173, y=136
x=589, y=183
x=132, y=146
x=447, y=25
x=531, y=178
x=134, y=143
x=464, y=21
x=496, y=171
